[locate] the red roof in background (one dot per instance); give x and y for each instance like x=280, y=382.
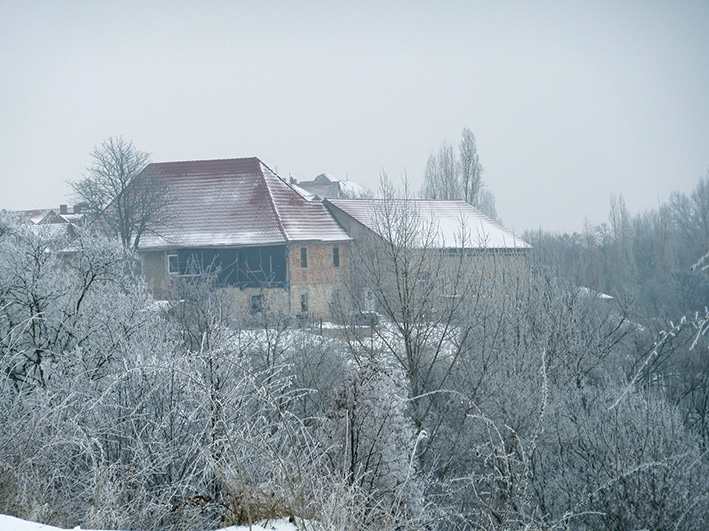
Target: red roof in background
x=235, y=202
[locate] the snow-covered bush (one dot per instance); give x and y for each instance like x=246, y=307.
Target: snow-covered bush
x=372, y=442
x=632, y=466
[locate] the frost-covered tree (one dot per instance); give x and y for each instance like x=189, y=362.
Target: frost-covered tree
x=53, y=302
x=418, y=288
x=372, y=440
x=128, y=201
x=458, y=176
x=633, y=466
x=644, y=260
x=442, y=176
x=116, y=415
x=470, y=168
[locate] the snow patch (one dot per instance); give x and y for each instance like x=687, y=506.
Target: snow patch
x=10, y=523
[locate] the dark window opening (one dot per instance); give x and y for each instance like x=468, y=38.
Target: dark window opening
x=336, y=304
x=336, y=256
x=256, y=304
x=370, y=300
x=304, y=303
x=303, y=257
x=245, y=267
x=253, y=260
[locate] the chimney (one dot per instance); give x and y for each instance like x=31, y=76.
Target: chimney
x=77, y=209
x=63, y=209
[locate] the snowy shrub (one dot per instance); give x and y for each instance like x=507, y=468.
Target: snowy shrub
x=373, y=442
x=633, y=466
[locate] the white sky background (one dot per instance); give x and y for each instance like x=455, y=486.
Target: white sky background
x=570, y=102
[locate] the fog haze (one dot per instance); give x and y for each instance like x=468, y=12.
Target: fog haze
x=569, y=103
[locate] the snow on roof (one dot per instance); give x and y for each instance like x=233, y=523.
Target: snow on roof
x=234, y=202
x=46, y=216
x=325, y=186
x=302, y=191
x=351, y=190
x=588, y=292
x=53, y=231
x=32, y=216
x=452, y=224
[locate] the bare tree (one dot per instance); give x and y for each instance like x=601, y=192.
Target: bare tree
x=129, y=200
x=486, y=204
x=470, y=168
x=451, y=176
x=441, y=180
x=397, y=272
x=700, y=211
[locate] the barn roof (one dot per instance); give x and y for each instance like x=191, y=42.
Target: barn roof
x=234, y=202
x=441, y=224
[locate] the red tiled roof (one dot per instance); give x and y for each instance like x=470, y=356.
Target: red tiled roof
x=234, y=202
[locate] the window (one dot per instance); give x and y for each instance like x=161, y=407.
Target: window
x=303, y=257
x=336, y=256
x=336, y=304
x=256, y=304
x=173, y=265
x=442, y=287
x=422, y=283
x=370, y=301
x=304, y=303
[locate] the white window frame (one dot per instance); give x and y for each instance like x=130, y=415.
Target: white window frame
x=169, y=263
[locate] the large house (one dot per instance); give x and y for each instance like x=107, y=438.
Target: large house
x=272, y=244
x=265, y=240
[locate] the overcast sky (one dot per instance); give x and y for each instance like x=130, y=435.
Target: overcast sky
x=570, y=102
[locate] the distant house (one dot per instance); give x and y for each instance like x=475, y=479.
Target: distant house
x=53, y=223
x=324, y=186
x=45, y=216
x=265, y=241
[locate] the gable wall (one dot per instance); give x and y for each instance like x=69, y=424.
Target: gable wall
x=320, y=279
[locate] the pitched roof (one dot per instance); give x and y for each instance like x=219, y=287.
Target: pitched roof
x=33, y=216
x=47, y=216
x=443, y=224
x=234, y=202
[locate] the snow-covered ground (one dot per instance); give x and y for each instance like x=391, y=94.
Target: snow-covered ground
x=10, y=523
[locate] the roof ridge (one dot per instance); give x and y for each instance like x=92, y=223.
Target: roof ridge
x=407, y=199
x=279, y=221
x=229, y=159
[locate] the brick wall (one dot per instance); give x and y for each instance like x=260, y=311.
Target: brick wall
x=319, y=280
